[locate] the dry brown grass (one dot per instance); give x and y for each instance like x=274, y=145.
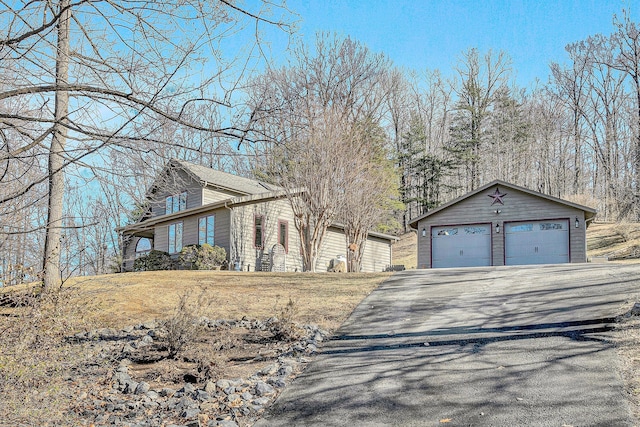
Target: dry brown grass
x=617, y=241
x=41, y=371
x=132, y=298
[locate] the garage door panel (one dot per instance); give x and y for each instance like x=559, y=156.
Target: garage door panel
x=461, y=246
x=537, y=242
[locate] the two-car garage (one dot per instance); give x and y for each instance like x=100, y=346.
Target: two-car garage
x=513, y=226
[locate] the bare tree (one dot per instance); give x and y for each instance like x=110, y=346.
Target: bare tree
x=372, y=192
x=92, y=70
x=306, y=114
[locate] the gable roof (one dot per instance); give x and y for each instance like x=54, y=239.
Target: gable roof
x=588, y=212
x=223, y=180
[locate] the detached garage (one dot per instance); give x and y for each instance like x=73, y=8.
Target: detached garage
x=503, y=224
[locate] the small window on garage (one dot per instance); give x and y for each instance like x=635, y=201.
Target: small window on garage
x=521, y=227
x=475, y=230
x=550, y=226
x=448, y=232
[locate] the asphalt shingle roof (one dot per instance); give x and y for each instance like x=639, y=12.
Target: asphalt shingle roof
x=226, y=180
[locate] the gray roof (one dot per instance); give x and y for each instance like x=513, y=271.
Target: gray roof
x=225, y=180
x=588, y=212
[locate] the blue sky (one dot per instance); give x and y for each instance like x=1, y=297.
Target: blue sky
x=421, y=34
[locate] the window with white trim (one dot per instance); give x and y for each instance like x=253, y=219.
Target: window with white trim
x=175, y=238
x=206, y=230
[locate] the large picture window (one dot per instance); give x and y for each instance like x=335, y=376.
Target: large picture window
x=283, y=234
x=206, y=230
x=175, y=238
x=176, y=203
x=258, y=231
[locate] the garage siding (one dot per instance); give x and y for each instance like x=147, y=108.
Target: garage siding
x=518, y=206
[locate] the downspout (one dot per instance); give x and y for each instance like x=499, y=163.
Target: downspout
x=232, y=249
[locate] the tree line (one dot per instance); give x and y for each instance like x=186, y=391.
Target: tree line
x=96, y=97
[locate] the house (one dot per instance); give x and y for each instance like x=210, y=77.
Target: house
x=252, y=220
x=502, y=224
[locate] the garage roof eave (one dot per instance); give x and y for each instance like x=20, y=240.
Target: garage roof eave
x=589, y=213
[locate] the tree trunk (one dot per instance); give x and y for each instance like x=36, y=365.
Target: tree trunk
x=51, y=263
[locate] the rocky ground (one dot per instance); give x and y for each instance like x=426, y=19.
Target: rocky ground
x=143, y=386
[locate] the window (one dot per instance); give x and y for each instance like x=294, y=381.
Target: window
x=176, y=203
x=143, y=246
x=206, y=230
x=175, y=238
x=283, y=235
x=258, y=231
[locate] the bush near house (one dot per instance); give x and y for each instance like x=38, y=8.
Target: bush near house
x=202, y=257
x=153, y=261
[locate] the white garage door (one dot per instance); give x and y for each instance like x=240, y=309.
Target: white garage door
x=461, y=246
x=537, y=242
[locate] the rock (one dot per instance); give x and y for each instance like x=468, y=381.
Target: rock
x=202, y=395
x=222, y=384
x=635, y=310
x=167, y=392
x=246, y=396
x=128, y=348
x=261, y=401
x=188, y=388
x=142, y=388
x=153, y=395
x=285, y=370
x=190, y=413
x=186, y=402
x=147, y=339
x=278, y=382
x=269, y=370
x=130, y=387
x=229, y=390
x=263, y=388
x=227, y=423
x=149, y=325
x=210, y=387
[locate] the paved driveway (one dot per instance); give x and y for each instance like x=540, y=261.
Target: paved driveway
x=499, y=346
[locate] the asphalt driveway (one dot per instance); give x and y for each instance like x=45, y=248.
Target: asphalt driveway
x=499, y=346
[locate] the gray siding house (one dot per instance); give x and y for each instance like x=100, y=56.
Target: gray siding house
x=190, y=204
x=502, y=224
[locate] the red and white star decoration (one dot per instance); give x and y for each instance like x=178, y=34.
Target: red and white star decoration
x=497, y=197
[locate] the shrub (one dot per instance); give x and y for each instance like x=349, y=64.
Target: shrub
x=154, y=260
x=283, y=327
x=183, y=324
x=205, y=257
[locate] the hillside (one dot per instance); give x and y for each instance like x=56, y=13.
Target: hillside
x=614, y=241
